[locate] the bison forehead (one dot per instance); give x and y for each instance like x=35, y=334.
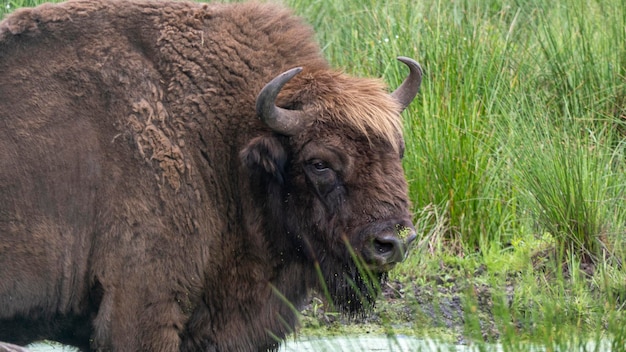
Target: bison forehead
x=336, y=102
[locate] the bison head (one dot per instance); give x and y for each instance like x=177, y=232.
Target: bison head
x=329, y=178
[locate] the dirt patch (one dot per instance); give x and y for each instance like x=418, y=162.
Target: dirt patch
x=445, y=307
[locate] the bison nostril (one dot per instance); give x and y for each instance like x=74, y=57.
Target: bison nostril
x=386, y=249
x=382, y=247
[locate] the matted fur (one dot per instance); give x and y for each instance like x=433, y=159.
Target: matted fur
x=143, y=204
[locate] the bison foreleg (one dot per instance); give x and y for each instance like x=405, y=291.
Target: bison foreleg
x=130, y=321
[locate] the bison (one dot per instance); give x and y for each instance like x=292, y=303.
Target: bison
x=178, y=176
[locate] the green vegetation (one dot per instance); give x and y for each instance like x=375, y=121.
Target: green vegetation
x=516, y=162
x=10, y=5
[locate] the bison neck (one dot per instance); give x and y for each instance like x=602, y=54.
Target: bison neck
x=244, y=308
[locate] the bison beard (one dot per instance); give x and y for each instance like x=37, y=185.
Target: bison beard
x=353, y=289
x=178, y=176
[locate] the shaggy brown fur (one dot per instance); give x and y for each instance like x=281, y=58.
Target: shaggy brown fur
x=143, y=204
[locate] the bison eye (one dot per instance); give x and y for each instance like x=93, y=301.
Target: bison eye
x=319, y=165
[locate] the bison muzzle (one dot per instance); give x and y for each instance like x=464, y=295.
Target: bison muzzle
x=177, y=176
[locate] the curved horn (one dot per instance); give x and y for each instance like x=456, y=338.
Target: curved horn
x=411, y=85
x=283, y=121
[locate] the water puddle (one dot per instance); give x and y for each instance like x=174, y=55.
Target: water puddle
x=47, y=346
x=370, y=344
x=378, y=344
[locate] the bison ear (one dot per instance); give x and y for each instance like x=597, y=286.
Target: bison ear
x=265, y=156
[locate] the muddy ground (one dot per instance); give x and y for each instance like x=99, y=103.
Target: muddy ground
x=444, y=308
